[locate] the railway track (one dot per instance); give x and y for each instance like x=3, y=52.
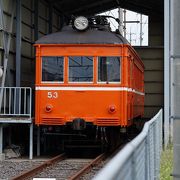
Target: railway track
x=61, y=167
x=39, y=168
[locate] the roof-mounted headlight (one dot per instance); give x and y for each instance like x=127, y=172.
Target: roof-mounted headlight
x=81, y=23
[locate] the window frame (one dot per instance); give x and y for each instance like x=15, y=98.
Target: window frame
x=120, y=71
x=81, y=82
x=53, y=82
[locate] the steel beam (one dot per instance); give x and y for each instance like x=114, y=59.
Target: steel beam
x=6, y=39
x=38, y=141
x=166, y=71
x=31, y=141
x=9, y=136
x=120, y=15
x=174, y=6
x=50, y=18
x=1, y=138
x=2, y=156
x=36, y=20
x=18, y=43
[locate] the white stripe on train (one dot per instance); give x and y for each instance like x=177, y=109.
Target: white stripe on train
x=48, y=88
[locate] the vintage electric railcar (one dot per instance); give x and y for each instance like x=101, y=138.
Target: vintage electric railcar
x=87, y=78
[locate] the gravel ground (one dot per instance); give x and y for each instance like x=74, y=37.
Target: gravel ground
x=93, y=172
x=13, y=167
x=64, y=169
x=61, y=171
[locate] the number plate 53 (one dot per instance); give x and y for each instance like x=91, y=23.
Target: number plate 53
x=52, y=95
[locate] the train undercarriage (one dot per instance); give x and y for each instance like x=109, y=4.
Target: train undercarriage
x=98, y=138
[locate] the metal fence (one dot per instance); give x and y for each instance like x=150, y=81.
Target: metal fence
x=139, y=159
x=15, y=101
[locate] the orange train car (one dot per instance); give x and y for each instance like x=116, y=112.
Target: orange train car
x=87, y=77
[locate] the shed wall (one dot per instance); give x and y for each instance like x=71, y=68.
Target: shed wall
x=28, y=36
x=153, y=59
x=38, y=19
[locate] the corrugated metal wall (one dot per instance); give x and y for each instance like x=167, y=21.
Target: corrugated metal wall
x=154, y=79
x=153, y=59
x=28, y=36
x=152, y=55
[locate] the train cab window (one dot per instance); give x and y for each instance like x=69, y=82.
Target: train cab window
x=52, y=69
x=80, y=69
x=109, y=69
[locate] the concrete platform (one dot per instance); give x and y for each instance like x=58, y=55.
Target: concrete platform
x=26, y=120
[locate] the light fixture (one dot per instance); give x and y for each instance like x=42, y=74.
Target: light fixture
x=112, y=109
x=80, y=23
x=48, y=108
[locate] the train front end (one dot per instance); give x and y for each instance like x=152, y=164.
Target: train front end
x=86, y=78
x=79, y=84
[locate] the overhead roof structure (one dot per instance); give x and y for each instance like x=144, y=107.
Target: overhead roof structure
x=84, y=7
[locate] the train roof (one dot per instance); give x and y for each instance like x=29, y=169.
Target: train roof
x=70, y=36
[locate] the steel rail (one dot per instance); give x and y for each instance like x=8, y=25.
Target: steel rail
x=88, y=167
x=39, y=168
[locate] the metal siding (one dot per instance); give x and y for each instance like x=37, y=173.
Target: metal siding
x=151, y=111
x=27, y=65
x=7, y=10
x=26, y=33
x=149, y=52
x=153, y=59
x=26, y=47
x=26, y=14
x=43, y=9
x=43, y=26
x=156, y=31
x=149, y=88
x=152, y=64
x=27, y=3
x=56, y=22
x=154, y=100
x=156, y=76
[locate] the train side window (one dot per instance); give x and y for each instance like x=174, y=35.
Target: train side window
x=80, y=69
x=52, y=69
x=109, y=69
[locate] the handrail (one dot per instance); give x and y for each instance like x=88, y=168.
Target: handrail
x=140, y=157
x=16, y=101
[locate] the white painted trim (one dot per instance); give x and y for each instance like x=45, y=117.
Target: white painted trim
x=89, y=89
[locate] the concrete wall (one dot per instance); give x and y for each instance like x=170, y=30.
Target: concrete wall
x=28, y=36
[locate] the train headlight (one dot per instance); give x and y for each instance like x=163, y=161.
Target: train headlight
x=48, y=108
x=81, y=23
x=112, y=109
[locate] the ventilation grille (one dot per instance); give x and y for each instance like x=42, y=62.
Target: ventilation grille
x=107, y=122
x=52, y=121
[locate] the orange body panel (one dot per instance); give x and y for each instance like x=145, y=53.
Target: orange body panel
x=91, y=101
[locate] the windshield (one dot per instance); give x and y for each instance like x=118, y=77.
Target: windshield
x=53, y=69
x=108, y=69
x=80, y=69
